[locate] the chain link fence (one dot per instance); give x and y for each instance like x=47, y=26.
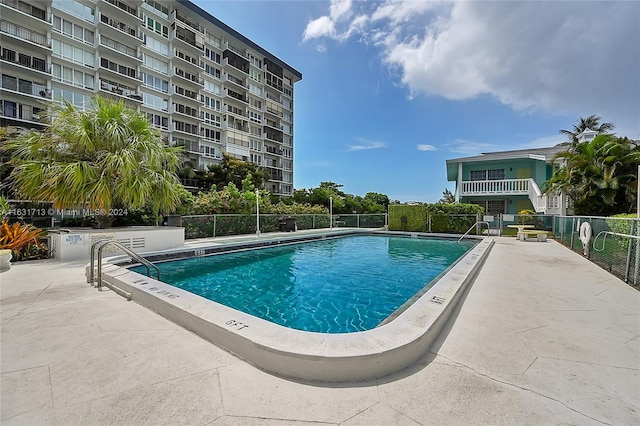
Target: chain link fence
x=614, y=244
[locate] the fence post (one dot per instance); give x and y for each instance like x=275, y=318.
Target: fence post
x=358, y=221
x=214, y=225
x=629, y=251
x=573, y=226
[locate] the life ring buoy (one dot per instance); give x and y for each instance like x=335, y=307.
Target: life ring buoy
x=585, y=233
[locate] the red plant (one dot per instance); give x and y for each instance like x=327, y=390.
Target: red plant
x=18, y=236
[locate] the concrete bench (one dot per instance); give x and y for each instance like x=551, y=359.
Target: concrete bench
x=539, y=233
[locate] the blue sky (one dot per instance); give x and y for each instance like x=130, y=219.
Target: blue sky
x=390, y=90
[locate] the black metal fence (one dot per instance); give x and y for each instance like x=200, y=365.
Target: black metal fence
x=614, y=244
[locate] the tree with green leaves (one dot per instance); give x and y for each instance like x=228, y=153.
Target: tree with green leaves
x=232, y=170
x=104, y=158
x=447, y=197
x=600, y=175
x=377, y=199
x=592, y=122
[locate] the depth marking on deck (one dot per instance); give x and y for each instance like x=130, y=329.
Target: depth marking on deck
x=437, y=300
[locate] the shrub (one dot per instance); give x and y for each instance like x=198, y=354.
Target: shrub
x=527, y=217
x=453, y=218
x=619, y=223
x=23, y=240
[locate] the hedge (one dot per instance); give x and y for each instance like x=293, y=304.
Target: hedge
x=447, y=218
x=408, y=217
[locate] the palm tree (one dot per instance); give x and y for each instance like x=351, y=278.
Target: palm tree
x=600, y=175
x=592, y=122
x=102, y=158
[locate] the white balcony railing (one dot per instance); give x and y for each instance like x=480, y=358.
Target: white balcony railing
x=499, y=187
x=542, y=203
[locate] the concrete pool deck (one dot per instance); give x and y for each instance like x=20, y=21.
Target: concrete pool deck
x=543, y=336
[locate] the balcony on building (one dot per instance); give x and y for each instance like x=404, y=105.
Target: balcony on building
x=274, y=109
x=235, y=60
x=273, y=68
x=120, y=90
x=190, y=183
x=186, y=110
x=188, y=37
x=119, y=70
x=188, y=76
x=274, y=174
x=183, y=127
x=157, y=8
x=234, y=123
x=25, y=34
x=273, y=82
x=24, y=61
x=235, y=110
x=273, y=150
x=238, y=96
x=23, y=8
x=130, y=10
x=119, y=28
x=180, y=17
x=118, y=47
x=495, y=187
x=210, y=135
x=273, y=134
x=186, y=93
x=210, y=151
x=26, y=87
x=237, y=82
x=188, y=59
x=20, y=114
x=273, y=124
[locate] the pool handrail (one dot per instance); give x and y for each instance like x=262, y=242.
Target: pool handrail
x=100, y=245
x=473, y=226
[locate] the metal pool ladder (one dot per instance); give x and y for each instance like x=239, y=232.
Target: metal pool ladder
x=100, y=245
x=473, y=226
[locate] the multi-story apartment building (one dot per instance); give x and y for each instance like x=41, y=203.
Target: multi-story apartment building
x=203, y=84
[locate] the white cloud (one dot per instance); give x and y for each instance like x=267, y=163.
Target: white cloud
x=324, y=26
x=425, y=147
x=365, y=145
x=562, y=57
x=321, y=27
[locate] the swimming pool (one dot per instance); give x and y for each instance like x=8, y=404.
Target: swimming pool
x=337, y=285
x=393, y=345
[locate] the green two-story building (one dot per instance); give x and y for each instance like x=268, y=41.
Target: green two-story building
x=509, y=181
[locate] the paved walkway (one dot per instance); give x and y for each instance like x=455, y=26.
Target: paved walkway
x=542, y=337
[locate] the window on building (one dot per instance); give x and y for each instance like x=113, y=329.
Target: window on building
x=157, y=46
x=492, y=207
x=154, y=101
x=478, y=175
x=150, y=80
x=495, y=174
x=73, y=53
x=156, y=64
x=157, y=27
x=158, y=121
x=70, y=76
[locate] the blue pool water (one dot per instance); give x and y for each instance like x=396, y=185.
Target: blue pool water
x=331, y=286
